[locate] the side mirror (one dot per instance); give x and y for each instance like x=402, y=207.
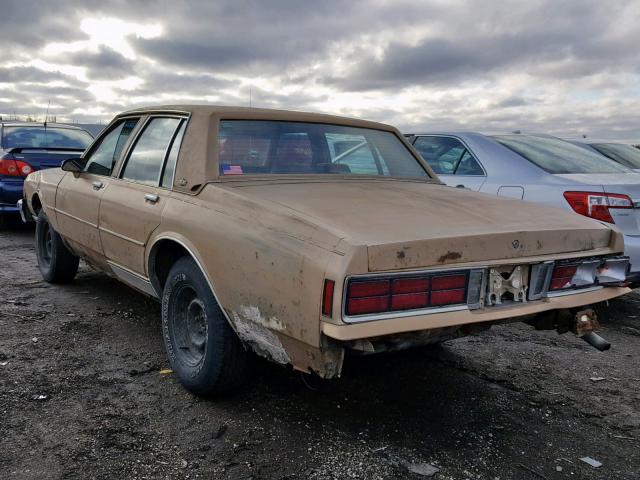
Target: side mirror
x=72, y=165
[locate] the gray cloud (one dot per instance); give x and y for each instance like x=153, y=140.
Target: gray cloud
x=104, y=64
x=544, y=65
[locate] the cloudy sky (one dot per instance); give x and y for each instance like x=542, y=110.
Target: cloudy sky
x=570, y=67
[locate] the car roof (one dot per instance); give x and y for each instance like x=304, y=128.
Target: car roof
x=250, y=113
x=13, y=123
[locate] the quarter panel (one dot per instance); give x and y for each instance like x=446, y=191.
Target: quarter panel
x=262, y=271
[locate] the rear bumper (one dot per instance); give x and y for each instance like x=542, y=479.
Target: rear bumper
x=465, y=317
x=25, y=214
x=8, y=209
x=10, y=193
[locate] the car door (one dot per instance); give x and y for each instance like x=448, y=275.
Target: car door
x=78, y=195
x=451, y=160
x=132, y=205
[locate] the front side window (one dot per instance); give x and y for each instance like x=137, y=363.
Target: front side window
x=145, y=161
x=102, y=158
x=447, y=156
x=624, y=154
x=259, y=147
x=557, y=156
x=45, y=137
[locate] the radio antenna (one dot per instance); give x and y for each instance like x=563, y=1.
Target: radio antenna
x=46, y=115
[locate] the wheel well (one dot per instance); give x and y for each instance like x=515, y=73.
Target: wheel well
x=36, y=205
x=163, y=255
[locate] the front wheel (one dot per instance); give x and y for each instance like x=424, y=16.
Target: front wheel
x=56, y=262
x=203, y=350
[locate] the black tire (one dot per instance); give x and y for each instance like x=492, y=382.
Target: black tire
x=204, y=351
x=56, y=262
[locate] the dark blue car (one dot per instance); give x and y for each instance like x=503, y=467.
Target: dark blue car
x=27, y=147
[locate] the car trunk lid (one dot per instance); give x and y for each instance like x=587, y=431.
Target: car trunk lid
x=42, y=158
x=413, y=224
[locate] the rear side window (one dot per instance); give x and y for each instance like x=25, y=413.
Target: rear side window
x=557, y=156
x=146, y=159
x=448, y=156
x=45, y=137
x=170, y=165
x=102, y=158
x=263, y=147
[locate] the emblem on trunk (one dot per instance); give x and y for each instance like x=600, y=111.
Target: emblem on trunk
x=515, y=244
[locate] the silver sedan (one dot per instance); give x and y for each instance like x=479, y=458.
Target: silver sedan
x=541, y=169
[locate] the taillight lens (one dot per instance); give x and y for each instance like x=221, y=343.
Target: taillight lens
x=327, y=297
x=585, y=273
x=406, y=293
x=14, y=168
x=597, y=205
x=562, y=276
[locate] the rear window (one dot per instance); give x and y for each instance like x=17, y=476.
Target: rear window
x=45, y=137
x=624, y=154
x=259, y=147
x=557, y=156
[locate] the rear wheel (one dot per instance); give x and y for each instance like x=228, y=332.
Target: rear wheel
x=56, y=262
x=203, y=350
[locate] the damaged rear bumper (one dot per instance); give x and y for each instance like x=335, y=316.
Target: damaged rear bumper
x=507, y=312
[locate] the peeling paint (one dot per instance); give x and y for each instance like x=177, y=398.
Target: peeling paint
x=261, y=340
x=253, y=314
x=449, y=256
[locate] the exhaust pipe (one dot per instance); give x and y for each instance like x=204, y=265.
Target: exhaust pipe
x=586, y=322
x=596, y=341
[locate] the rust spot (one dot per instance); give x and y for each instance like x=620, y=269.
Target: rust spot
x=449, y=256
x=400, y=255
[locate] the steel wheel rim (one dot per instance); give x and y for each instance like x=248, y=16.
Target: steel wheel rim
x=189, y=326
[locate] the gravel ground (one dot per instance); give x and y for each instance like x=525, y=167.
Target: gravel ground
x=82, y=396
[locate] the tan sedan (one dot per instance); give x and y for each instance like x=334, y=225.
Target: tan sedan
x=300, y=236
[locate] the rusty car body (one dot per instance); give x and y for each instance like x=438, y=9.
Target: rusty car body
x=339, y=239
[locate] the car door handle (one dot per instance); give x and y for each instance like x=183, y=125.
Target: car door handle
x=97, y=185
x=150, y=197
x=460, y=186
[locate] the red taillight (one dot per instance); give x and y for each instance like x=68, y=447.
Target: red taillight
x=409, y=301
x=405, y=293
x=448, y=282
x=597, y=205
x=360, y=306
x=14, y=168
x=369, y=289
x=562, y=277
x=410, y=285
x=447, y=297
x=327, y=297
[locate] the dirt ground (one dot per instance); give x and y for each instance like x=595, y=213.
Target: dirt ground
x=82, y=396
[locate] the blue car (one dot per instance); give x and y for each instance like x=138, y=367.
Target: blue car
x=27, y=147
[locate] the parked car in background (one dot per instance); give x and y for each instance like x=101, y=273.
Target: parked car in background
x=622, y=153
x=26, y=147
x=302, y=236
x=541, y=169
